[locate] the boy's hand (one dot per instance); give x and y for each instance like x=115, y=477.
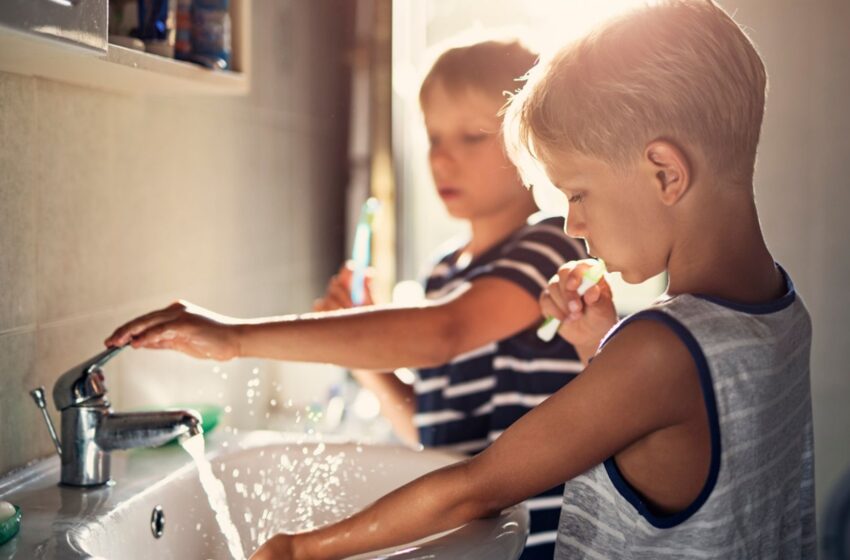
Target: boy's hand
x=338, y=294
x=584, y=319
x=279, y=547
x=183, y=327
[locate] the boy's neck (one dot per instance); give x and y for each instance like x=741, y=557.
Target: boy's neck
x=489, y=230
x=722, y=253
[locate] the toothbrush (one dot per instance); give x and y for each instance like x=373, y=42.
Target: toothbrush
x=361, y=252
x=589, y=278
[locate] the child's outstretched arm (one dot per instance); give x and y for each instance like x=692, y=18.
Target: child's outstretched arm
x=644, y=381
x=387, y=337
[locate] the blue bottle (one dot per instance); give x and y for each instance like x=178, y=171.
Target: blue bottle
x=211, y=33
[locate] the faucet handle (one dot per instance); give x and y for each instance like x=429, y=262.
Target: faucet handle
x=83, y=382
x=37, y=395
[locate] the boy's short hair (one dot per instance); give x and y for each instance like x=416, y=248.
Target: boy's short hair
x=491, y=66
x=679, y=70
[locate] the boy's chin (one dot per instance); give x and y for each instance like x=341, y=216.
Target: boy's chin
x=632, y=276
x=458, y=212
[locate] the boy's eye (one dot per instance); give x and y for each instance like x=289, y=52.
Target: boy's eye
x=474, y=138
x=575, y=198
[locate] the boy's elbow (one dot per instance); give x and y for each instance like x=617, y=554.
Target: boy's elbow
x=477, y=501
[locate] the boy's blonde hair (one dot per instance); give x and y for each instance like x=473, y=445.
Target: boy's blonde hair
x=493, y=66
x=679, y=70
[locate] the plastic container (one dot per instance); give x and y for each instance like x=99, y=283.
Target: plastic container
x=156, y=25
x=211, y=33
x=10, y=527
x=183, y=33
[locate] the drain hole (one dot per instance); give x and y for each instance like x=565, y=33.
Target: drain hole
x=157, y=522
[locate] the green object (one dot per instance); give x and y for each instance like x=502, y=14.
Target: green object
x=10, y=527
x=210, y=414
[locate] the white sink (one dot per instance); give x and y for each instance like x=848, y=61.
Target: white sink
x=274, y=482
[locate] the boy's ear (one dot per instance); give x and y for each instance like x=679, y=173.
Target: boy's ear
x=671, y=170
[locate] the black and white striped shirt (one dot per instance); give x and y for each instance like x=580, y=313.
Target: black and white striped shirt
x=465, y=405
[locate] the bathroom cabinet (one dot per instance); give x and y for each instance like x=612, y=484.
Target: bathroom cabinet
x=67, y=41
x=73, y=23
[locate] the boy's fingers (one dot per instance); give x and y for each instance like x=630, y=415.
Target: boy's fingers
x=566, y=297
x=549, y=308
x=129, y=330
x=592, y=295
x=367, y=288
x=163, y=333
x=346, y=271
x=570, y=274
x=601, y=292
x=554, y=293
x=340, y=295
x=161, y=345
x=321, y=304
x=605, y=288
x=575, y=306
x=334, y=303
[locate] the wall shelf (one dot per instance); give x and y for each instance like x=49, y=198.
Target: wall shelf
x=126, y=70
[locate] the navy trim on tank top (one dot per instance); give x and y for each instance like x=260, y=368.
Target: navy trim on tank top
x=759, y=308
x=620, y=483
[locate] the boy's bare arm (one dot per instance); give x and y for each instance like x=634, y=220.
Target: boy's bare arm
x=374, y=338
x=643, y=381
x=397, y=400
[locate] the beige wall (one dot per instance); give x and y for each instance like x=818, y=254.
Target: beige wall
x=803, y=196
x=111, y=205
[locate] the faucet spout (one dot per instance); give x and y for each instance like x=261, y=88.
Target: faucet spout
x=90, y=429
x=91, y=433
x=146, y=429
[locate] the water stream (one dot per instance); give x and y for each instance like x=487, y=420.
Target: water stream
x=214, y=489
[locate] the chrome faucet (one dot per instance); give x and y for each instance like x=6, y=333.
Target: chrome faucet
x=91, y=430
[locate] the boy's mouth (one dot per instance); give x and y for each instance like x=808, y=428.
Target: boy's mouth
x=448, y=192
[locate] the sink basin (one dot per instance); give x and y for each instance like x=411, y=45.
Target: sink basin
x=273, y=482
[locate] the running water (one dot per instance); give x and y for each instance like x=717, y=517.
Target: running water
x=214, y=489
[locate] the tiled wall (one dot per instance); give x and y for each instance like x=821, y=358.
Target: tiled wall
x=111, y=205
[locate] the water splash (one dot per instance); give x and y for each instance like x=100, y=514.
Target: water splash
x=214, y=489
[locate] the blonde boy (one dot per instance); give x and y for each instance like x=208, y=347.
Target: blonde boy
x=690, y=431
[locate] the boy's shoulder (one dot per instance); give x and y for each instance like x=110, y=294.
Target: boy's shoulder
x=710, y=326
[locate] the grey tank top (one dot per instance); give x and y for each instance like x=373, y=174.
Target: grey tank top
x=758, y=500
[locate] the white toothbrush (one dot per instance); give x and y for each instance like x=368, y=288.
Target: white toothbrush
x=589, y=278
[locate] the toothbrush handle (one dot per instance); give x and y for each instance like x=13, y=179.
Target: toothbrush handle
x=360, y=256
x=358, y=280
x=547, y=331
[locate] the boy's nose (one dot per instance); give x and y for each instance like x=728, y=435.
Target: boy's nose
x=441, y=161
x=574, y=225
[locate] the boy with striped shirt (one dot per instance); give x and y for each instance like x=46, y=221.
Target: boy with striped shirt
x=481, y=365
x=464, y=404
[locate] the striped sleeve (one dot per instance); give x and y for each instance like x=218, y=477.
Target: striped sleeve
x=534, y=256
